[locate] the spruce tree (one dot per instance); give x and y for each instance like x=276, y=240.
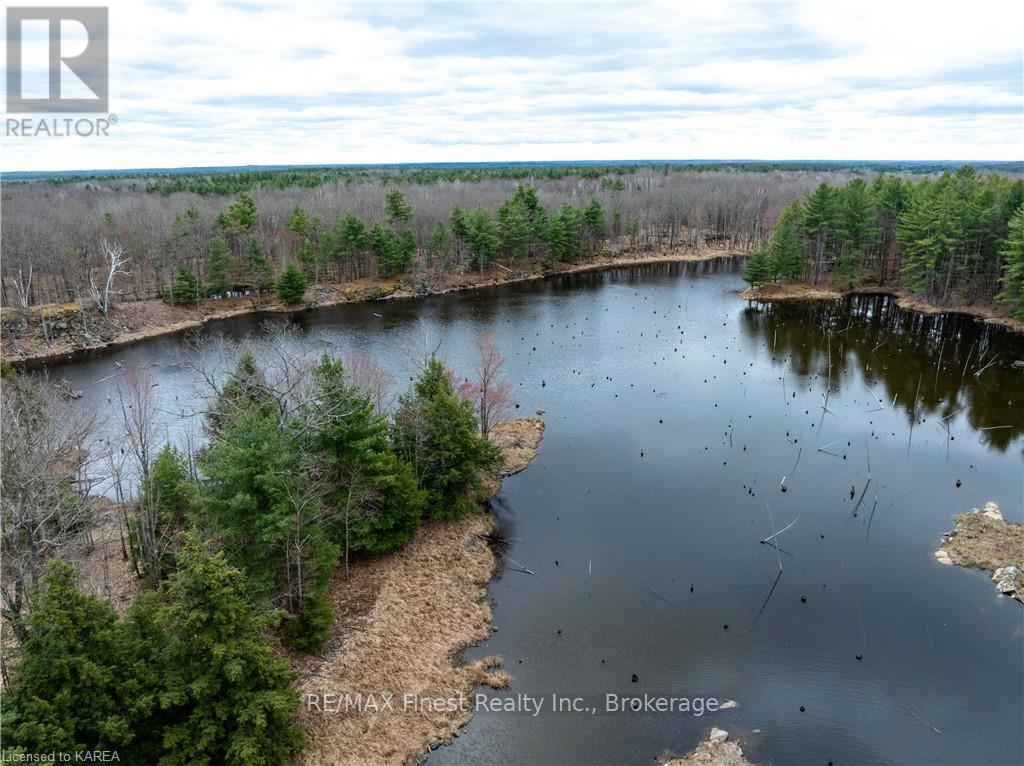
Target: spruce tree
x=227, y=695
x=68, y=690
x=291, y=287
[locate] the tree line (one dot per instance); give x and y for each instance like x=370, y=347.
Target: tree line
x=957, y=238
x=305, y=464
x=55, y=238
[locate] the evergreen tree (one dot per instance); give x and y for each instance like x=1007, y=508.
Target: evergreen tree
x=245, y=496
x=291, y=287
x=439, y=246
x=245, y=389
x=514, y=229
x=758, y=269
x=437, y=433
x=229, y=698
x=185, y=287
x=1012, y=295
x=68, y=692
x=298, y=221
x=352, y=442
x=593, y=219
x=856, y=227
x=399, y=211
x=217, y=260
x=482, y=237
x=394, y=252
x=566, y=233
x=787, y=248
x=820, y=226
x=240, y=217
x=260, y=273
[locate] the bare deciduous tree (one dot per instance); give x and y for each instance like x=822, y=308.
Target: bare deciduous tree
x=114, y=261
x=494, y=393
x=45, y=478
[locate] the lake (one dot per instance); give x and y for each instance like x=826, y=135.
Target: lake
x=676, y=413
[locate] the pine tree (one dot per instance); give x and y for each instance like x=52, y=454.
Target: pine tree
x=593, y=218
x=1012, y=295
x=514, y=229
x=820, y=226
x=298, y=221
x=482, y=237
x=439, y=246
x=787, y=248
x=229, y=698
x=758, y=269
x=240, y=217
x=437, y=433
x=394, y=252
x=261, y=275
x=398, y=210
x=351, y=439
x=245, y=389
x=185, y=287
x=291, y=287
x=217, y=267
x=856, y=227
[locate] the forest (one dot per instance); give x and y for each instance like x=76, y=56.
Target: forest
x=954, y=239
x=187, y=237
x=306, y=462
x=59, y=238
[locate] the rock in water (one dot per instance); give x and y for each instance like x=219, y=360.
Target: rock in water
x=943, y=558
x=1009, y=581
x=992, y=511
x=718, y=735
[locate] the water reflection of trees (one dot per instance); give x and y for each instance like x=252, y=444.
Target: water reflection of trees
x=930, y=359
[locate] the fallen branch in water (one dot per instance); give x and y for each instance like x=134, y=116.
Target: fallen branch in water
x=776, y=534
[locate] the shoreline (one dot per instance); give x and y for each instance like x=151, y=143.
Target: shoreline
x=400, y=622
x=983, y=539
x=800, y=291
x=33, y=351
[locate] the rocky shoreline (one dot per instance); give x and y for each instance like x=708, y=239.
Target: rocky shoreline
x=983, y=539
x=73, y=332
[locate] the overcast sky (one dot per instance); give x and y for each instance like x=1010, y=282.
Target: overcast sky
x=269, y=83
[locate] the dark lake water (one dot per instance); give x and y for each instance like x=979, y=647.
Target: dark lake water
x=673, y=412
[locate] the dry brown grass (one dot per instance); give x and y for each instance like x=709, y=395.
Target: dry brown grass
x=788, y=291
x=519, y=439
x=399, y=622
x=431, y=602
x=101, y=558
x=984, y=542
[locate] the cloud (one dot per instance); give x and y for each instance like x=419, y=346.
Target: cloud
x=235, y=83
